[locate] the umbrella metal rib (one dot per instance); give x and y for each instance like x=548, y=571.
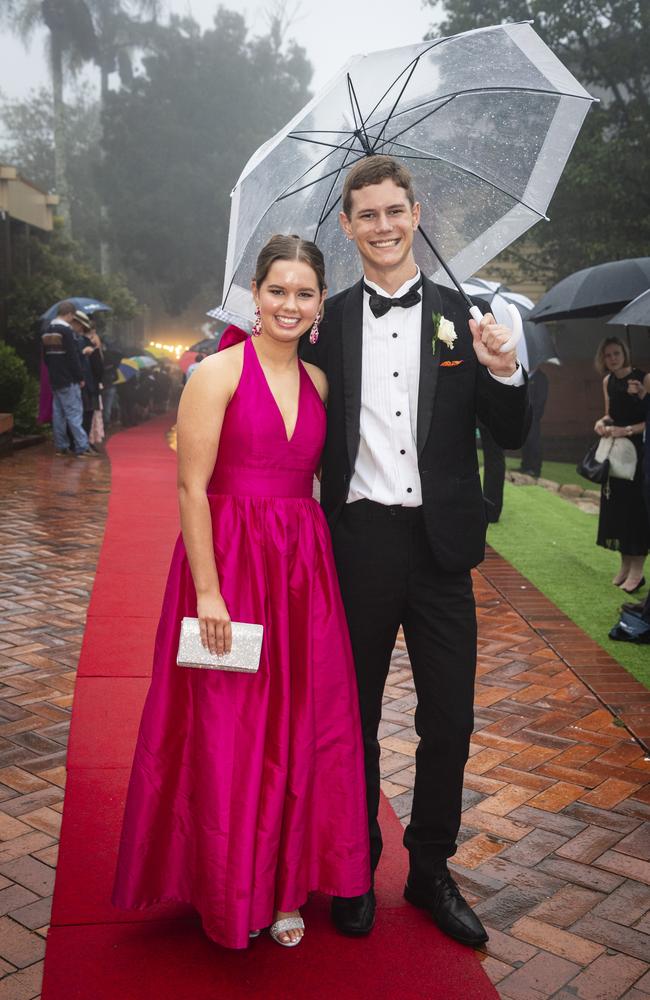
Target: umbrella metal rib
x=421, y=154
x=448, y=148
x=411, y=66
x=396, y=102
x=324, y=215
x=441, y=102
x=361, y=134
x=360, y=131
x=417, y=155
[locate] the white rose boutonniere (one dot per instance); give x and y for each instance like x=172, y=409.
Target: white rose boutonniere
x=443, y=330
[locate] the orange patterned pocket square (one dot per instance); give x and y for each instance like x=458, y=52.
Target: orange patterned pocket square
x=450, y=364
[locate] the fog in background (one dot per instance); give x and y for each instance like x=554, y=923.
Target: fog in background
x=330, y=32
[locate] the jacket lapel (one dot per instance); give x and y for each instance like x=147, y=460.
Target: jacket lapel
x=429, y=362
x=352, y=333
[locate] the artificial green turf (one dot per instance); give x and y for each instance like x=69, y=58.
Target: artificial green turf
x=553, y=543
x=559, y=472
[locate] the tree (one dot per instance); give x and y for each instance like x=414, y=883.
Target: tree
x=80, y=30
x=71, y=33
x=177, y=138
x=59, y=268
x=119, y=34
x=28, y=127
x=601, y=209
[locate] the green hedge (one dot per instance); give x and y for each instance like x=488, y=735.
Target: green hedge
x=26, y=412
x=13, y=378
x=18, y=391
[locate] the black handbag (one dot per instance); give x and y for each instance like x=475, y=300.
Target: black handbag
x=590, y=468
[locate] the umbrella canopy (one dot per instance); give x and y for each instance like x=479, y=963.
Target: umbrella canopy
x=142, y=361
x=127, y=370
x=160, y=354
x=537, y=345
x=186, y=359
x=207, y=346
x=636, y=313
x=89, y=306
x=594, y=291
x=485, y=121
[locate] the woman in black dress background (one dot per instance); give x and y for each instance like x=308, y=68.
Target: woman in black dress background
x=623, y=522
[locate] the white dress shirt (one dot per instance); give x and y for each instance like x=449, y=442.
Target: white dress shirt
x=386, y=468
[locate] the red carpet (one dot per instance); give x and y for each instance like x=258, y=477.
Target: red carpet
x=97, y=953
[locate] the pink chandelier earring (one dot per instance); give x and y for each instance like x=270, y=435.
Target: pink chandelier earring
x=257, y=325
x=313, y=334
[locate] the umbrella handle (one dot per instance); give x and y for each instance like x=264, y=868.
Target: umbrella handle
x=517, y=326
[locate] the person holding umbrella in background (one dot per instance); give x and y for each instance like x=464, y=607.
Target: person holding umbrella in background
x=634, y=625
x=92, y=365
x=66, y=376
x=95, y=357
x=623, y=521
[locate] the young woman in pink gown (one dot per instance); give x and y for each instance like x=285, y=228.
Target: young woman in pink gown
x=247, y=791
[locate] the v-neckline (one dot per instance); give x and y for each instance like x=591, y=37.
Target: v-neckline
x=287, y=438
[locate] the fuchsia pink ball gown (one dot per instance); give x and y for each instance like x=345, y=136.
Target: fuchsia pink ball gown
x=247, y=792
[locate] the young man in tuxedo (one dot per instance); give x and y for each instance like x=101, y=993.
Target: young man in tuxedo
x=402, y=494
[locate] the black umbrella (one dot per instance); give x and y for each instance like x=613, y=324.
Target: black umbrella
x=636, y=313
x=594, y=291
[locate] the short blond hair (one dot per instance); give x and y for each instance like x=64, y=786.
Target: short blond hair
x=599, y=360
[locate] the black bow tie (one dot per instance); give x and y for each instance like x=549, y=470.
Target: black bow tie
x=380, y=304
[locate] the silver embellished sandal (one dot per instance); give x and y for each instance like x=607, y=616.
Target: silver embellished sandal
x=287, y=924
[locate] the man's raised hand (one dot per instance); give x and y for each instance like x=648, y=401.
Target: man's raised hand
x=489, y=337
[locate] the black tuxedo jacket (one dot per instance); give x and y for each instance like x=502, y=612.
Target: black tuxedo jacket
x=451, y=398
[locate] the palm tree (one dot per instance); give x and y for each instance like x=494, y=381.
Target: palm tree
x=104, y=31
x=120, y=32
x=72, y=35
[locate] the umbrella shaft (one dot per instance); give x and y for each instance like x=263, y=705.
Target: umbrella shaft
x=448, y=270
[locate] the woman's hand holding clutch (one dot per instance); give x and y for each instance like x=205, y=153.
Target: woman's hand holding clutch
x=214, y=620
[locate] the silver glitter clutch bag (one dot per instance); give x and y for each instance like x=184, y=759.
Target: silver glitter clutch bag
x=244, y=656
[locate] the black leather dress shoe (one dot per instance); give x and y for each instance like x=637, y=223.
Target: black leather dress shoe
x=354, y=915
x=442, y=899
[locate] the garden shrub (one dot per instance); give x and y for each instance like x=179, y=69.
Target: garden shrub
x=13, y=378
x=25, y=414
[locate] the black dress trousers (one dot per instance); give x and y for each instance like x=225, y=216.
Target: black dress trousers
x=388, y=577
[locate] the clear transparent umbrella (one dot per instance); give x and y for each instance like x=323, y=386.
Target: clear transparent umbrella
x=485, y=120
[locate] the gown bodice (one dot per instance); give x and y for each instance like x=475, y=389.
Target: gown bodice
x=255, y=457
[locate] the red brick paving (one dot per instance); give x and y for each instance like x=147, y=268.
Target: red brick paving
x=52, y=523
x=554, y=849
x=555, y=844
x=618, y=691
